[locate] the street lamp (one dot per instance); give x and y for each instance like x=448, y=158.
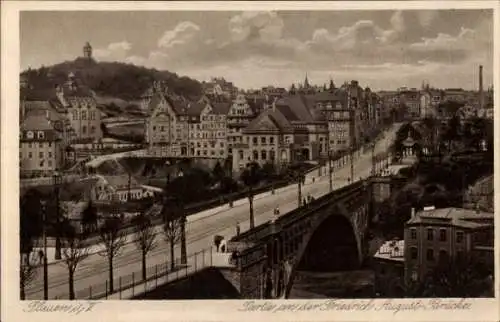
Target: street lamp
x=183, y=222
x=44, y=255
x=330, y=170
x=351, y=154
x=57, y=179
x=372, y=145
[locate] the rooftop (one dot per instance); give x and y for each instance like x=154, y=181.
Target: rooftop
x=391, y=250
x=460, y=217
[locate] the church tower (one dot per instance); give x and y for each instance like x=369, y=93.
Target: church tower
x=87, y=51
x=306, y=82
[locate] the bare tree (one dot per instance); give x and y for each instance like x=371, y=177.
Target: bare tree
x=27, y=273
x=75, y=249
x=113, y=237
x=145, y=238
x=172, y=227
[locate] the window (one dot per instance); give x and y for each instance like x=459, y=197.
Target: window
x=442, y=234
x=162, y=129
x=255, y=155
x=221, y=152
x=84, y=115
x=254, y=140
x=40, y=145
x=212, y=152
x=154, y=128
x=263, y=154
x=84, y=129
x=40, y=154
x=40, y=134
x=240, y=154
x=413, y=253
x=222, y=144
x=50, y=163
x=198, y=152
x=92, y=129
x=271, y=140
x=430, y=234
x=272, y=155
x=430, y=254
x=30, y=155
x=263, y=140
x=198, y=144
x=443, y=255
x=49, y=144
x=29, y=135
x=413, y=233
x=205, y=152
x=460, y=237
x=50, y=154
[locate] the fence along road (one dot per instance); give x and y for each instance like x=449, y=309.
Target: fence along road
x=199, y=232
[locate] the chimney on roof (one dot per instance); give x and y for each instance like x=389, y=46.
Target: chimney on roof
x=481, y=97
x=412, y=212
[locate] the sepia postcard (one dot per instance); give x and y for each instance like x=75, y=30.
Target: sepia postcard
x=234, y=161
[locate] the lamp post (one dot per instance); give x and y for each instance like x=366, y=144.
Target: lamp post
x=351, y=156
x=372, y=145
x=44, y=255
x=57, y=179
x=330, y=170
x=183, y=222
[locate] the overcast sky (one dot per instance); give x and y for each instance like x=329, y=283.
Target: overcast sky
x=381, y=49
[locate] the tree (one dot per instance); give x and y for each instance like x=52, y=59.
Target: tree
x=89, y=218
x=172, y=227
x=113, y=239
x=218, y=172
x=268, y=171
x=75, y=249
x=297, y=175
x=144, y=237
x=251, y=177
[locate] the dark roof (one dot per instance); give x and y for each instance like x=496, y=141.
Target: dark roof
x=275, y=116
x=221, y=108
x=34, y=94
x=287, y=112
x=194, y=109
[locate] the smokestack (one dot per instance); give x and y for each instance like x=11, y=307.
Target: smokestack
x=481, y=99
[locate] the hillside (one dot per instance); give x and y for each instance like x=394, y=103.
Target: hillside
x=111, y=79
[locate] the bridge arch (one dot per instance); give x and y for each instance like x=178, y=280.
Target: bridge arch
x=332, y=227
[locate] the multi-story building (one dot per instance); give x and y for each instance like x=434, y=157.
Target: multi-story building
x=481, y=194
x=167, y=127
x=219, y=87
x=433, y=235
x=81, y=109
x=209, y=135
x=41, y=150
x=239, y=116
x=268, y=138
x=410, y=99
x=426, y=109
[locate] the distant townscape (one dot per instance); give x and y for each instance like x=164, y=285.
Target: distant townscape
x=160, y=184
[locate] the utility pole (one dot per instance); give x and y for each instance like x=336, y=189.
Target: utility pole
x=300, y=188
x=44, y=257
x=351, y=154
x=129, y=185
x=183, y=223
x=57, y=182
x=330, y=170
x=373, y=158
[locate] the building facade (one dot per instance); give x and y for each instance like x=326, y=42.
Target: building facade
x=433, y=235
x=41, y=147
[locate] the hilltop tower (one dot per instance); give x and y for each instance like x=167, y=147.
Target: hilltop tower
x=87, y=51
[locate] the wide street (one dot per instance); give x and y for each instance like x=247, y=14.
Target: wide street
x=200, y=231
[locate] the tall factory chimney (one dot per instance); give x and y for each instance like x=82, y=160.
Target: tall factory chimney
x=481, y=94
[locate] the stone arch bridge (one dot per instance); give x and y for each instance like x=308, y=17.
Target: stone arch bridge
x=330, y=233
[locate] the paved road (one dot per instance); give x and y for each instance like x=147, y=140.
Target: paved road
x=199, y=230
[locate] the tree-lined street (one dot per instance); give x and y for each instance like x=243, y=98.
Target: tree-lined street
x=201, y=230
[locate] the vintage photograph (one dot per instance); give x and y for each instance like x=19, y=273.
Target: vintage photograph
x=187, y=155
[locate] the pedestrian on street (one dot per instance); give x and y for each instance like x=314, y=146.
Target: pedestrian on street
x=237, y=228
x=277, y=210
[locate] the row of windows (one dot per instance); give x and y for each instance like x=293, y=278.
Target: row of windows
x=459, y=236
x=31, y=134
x=206, y=135
x=263, y=155
x=40, y=144
x=429, y=255
x=213, y=118
x=92, y=130
x=83, y=115
x=212, y=152
x=41, y=155
x=212, y=144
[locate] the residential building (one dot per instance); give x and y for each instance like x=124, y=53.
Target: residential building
x=219, y=87
x=210, y=134
x=410, y=99
x=41, y=148
x=119, y=188
x=81, y=109
x=167, y=126
x=433, y=235
x=426, y=109
x=239, y=116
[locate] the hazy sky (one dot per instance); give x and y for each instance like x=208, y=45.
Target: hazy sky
x=381, y=49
